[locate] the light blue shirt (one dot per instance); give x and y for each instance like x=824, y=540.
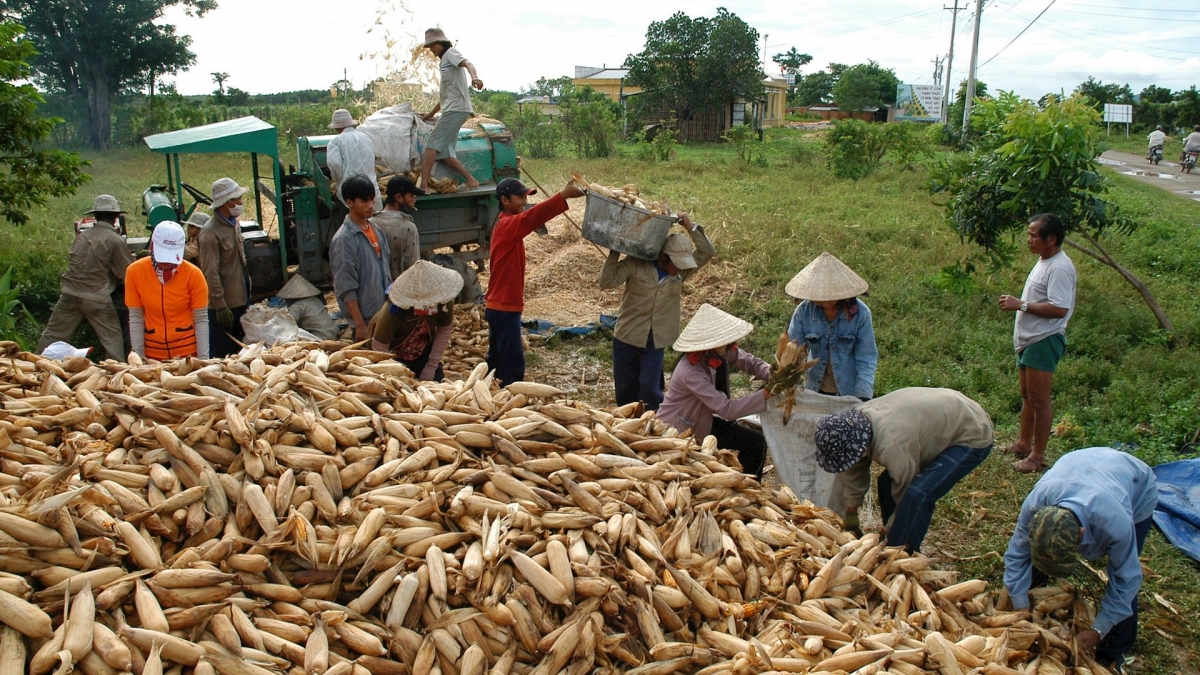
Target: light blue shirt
x=848, y=341
x=1109, y=491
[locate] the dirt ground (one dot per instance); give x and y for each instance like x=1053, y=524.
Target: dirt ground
x=1166, y=175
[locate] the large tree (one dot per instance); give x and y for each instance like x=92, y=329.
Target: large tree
x=1099, y=93
x=96, y=49
x=693, y=65
x=790, y=63
x=866, y=85
x=817, y=88
x=29, y=172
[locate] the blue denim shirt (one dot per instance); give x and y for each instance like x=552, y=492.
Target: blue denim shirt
x=848, y=341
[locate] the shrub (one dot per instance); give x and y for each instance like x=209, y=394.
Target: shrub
x=745, y=138
x=537, y=136
x=854, y=148
x=658, y=146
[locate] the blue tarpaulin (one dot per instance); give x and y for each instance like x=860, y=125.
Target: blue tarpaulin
x=1178, y=511
x=551, y=331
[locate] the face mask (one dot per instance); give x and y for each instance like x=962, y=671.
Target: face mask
x=235, y=211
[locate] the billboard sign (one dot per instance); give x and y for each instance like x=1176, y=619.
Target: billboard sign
x=918, y=102
x=1118, y=113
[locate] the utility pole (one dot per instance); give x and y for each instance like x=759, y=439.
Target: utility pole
x=937, y=62
x=949, y=63
x=971, y=75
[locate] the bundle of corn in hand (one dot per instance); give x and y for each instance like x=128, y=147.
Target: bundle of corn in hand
x=791, y=362
x=312, y=509
x=628, y=194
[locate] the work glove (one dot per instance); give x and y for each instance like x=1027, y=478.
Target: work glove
x=851, y=523
x=225, y=317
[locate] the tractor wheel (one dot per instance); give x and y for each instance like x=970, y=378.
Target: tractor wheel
x=472, y=292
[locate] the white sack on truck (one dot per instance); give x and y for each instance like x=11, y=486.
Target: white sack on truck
x=398, y=135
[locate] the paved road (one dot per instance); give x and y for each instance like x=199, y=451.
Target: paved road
x=1166, y=175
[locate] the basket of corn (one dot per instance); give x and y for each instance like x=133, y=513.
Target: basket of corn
x=618, y=219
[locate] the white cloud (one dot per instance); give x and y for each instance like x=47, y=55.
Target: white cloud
x=273, y=45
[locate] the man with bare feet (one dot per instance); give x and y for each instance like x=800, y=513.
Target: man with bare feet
x=454, y=101
x=1039, y=335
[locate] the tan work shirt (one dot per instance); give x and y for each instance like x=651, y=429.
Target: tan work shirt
x=401, y=233
x=649, y=303
x=97, y=263
x=223, y=259
x=911, y=428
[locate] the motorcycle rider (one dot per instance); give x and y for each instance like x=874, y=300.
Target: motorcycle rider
x=1156, y=139
x=1192, y=142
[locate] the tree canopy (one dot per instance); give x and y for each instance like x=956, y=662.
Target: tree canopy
x=95, y=50
x=1099, y=93
x=552, y=87
x=790, y=62
x=817, y=88
x=866, y=85
x=692, y=65
x=30, y=172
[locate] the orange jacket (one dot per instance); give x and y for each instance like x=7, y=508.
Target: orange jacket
x=169, y=308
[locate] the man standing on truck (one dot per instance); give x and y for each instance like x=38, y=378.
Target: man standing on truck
x=506, y=289
x=223, y=259
x=358, y=257
x=396, y=223
x=97, y=264
x=649, y=316
x=454, y=101
x=350, y=154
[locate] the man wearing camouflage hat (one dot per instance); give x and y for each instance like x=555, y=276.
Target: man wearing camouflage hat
x=1093, y=502
x=96, y=266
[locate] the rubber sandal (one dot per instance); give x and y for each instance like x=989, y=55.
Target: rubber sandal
x=1011, y=449
x=1028, y=465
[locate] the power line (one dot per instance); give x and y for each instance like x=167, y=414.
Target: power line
x=885, y=22
x=1138, y=9
x=1135, y=18
x=1072, y=33
x=1019, y=34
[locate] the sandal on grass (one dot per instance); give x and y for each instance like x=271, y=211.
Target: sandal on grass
x=1011, y=449
x=1028, y=465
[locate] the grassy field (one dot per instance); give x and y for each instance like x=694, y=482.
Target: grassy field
x=1120, y=383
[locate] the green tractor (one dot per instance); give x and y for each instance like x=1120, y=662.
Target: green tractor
x=454, y=228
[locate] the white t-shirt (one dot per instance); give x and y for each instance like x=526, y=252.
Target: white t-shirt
x=455, y=94
x=1192, y=142
x=1156, y=137
x=1051, y=280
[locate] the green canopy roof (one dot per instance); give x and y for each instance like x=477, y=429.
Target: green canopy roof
x=245, y=134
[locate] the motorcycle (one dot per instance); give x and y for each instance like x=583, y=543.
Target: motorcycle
x=1189, y=162
x=1156, y=154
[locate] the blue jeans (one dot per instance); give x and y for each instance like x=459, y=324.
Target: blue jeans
x=638, y=373
x=506, y=353
x=915, y=510
x=1120, y=638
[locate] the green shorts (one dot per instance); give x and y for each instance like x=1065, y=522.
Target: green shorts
x=1044, y=354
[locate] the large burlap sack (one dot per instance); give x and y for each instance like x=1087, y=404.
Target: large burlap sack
x=793, y=450
x=394, y=132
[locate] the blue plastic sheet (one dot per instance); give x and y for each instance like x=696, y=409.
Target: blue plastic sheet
x=551, y=331
x=1178, y=511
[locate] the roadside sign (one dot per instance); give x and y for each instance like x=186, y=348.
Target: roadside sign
x=1118, y=113
x=918, y=102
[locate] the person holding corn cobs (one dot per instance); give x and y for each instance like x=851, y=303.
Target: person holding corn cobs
x=926, y=439
x=698, y=398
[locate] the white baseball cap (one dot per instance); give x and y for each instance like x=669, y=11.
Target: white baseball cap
x=62, y=351
x=168, y=242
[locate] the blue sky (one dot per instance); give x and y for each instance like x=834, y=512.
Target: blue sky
x=282, y=45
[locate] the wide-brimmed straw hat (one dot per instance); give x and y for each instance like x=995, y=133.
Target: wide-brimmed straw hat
x=680, y=249
x=425, y=285
x=224, y=189
x=105, y=204
x=711, y=328
x=297, y=288
x=342, y=119
x=826, y=278
x=434, y=35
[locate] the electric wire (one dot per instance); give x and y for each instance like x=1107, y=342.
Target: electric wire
x=1030, y=25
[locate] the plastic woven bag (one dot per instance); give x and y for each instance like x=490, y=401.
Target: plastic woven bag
x=269, y=325
x=398, y=136
x=792, y=447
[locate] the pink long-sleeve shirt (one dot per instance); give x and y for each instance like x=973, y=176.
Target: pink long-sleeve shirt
x=693, y=398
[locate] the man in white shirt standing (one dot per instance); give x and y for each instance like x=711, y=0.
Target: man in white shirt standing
x=454, y=102
x=1039, y=335
x=350, y=154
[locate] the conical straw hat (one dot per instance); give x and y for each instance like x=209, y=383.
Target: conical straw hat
x=297, y=288
x=826, y=278
x=711, y=328
x=425, y=285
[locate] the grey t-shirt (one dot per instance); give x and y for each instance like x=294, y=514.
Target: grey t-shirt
x=1051, y=280
x=1192, y=142
x=455, y=95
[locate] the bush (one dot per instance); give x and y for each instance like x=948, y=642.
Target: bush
x=537, y=136
x=745, y=138
x=855, y=148
x=658, y=146
x=592, y=127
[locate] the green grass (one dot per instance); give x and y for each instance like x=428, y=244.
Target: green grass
x=1119, y=383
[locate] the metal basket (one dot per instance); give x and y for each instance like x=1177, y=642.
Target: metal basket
x=625, y=228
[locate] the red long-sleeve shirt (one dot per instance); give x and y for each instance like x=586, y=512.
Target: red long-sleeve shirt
x=506, y=288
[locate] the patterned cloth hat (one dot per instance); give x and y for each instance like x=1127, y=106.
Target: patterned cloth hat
x=1054, y=541
x=842, y=439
